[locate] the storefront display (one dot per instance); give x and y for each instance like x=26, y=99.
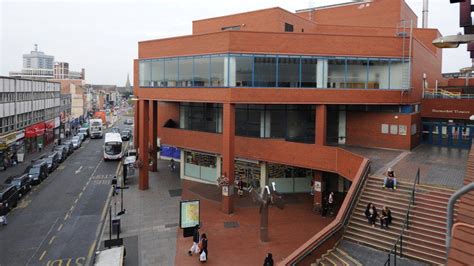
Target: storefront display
x=201, y=166
x=35, y=136
x=7, y=150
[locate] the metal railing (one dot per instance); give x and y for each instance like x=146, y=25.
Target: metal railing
x=445, y=94
x=398, y=246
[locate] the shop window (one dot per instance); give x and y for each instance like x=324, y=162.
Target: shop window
x=201, y=166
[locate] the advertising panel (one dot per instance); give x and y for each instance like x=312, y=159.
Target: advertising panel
x=189, y=213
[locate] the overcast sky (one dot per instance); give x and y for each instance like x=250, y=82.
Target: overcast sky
x=101, y=35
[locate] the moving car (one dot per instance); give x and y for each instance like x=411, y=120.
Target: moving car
x=115, y=130
x=128, y=122
x=126, y=134
x=8, y=198
x=113, y=146
x=82, y=136
x=96, y=129
x=76, y=142
x=22, y=183
x=84, y=131
x=37, y=172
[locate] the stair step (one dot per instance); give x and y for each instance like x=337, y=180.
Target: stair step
x=387, y=246
x=401, y=204
x=419, y=214
x=349, y=258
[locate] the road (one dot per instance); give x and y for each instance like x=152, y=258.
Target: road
x=58, y=222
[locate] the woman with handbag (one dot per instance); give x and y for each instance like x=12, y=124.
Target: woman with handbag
x=203, y=248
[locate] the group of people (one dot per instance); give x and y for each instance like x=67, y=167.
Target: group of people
x=199, y=245
x=385, y=216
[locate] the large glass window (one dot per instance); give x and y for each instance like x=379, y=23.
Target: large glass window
x=157, y=73
x=248, y=119
x=356, y=74
x=145, y=73
x=397, y=81
x=264, y=71
x=201, y=71
x=205, y=117
x=200, y=165
x=379, y=74
x=243, y=70
x=288, y=71
x=217, y=71
x=336, y=73
x=309, y=72
x=171, y=72
x=185, y=71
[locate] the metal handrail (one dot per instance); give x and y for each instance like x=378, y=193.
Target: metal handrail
x=405, y=224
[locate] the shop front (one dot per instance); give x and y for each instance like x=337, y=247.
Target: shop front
x=20, y=145
x=7, y=150
x=49, y=131
x=290, y=179
x=34, y=136
x=201, y=166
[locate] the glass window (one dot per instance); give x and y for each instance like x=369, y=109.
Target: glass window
x=171, y=72
x=288, y=71
x=378, y=74
x=217, y=71
x=264, y=71
x=243, y=71
x=248, y=119
x=396, y=74
x=309, y=72
x=201, y=71
x=157, y=73
x=356, y=73
x=185, y=71
x=336, y=73
x=144, y=67
x=205, y=117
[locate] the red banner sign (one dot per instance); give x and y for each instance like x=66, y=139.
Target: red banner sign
x=35, y=130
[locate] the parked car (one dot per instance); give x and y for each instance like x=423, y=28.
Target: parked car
x=84, y=131
x=126, y=134
x=62, y=151
x=52, y=160
x=115, y=130
x=22, y=183
x=128, y=122
x=37, y=172
x=70, y=146
x=76, y=142
x=8, y=198
x=82, y=136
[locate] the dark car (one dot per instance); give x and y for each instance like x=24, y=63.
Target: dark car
x=53, y=161
x=22, y=183
x=62, y=151
x=8, y=198
x=128, y=122
x=70, y=145
x=126, y=134
x=37, y=171
x=115, y=130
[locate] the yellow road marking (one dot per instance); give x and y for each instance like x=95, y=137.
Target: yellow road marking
x=52, y=239
x=91, y=249
x=60, y=227
x=42, y=255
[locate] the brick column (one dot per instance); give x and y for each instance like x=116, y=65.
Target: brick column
x=153, y=134
x=318, y=195
x=320, y=124
x=136, y=137
x=143, y=144
x=228, y=138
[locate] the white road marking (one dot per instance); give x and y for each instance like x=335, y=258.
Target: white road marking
x=79, y=170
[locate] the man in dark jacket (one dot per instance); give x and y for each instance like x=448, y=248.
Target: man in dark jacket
x=195, y=249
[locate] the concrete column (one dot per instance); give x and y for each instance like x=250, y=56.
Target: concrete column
x=228, y=138
x=318, y=195
x=153, y=134
x=321, y=117
x=136, y=137
x=143, y=144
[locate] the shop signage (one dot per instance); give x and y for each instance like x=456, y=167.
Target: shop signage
x=35, y=130
x=20, y=135
x=189, y=213
x=448, y=111
x=8, y=139
x=317, y=186
x=49, y=123
x=57, y=122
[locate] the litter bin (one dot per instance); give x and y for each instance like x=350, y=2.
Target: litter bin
x=116, y=225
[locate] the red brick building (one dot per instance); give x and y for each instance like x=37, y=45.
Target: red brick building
x=274, y=96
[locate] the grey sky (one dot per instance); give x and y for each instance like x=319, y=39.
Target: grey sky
x=101, y=36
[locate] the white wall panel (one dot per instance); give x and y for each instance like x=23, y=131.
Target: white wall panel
x=1, y=109
x=1, y=84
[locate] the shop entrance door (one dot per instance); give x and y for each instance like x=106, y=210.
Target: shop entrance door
x=449, y=135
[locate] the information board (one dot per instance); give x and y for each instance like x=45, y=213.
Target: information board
x=189, y=213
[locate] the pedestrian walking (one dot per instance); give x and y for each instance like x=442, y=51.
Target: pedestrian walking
x=331, y=203
x=114, y=186
x=3, y=214
x=268, y=260
x=195, y=247
x=240, y=188
x=203, y=248
x=172, y=165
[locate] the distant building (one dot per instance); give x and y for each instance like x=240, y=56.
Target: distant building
x=39, y=66
x=127, y=90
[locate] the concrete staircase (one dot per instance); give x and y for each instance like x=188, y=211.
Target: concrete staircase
x=425, y=239
x=337, y=257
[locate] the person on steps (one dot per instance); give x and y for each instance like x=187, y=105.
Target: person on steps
x=371, y=214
